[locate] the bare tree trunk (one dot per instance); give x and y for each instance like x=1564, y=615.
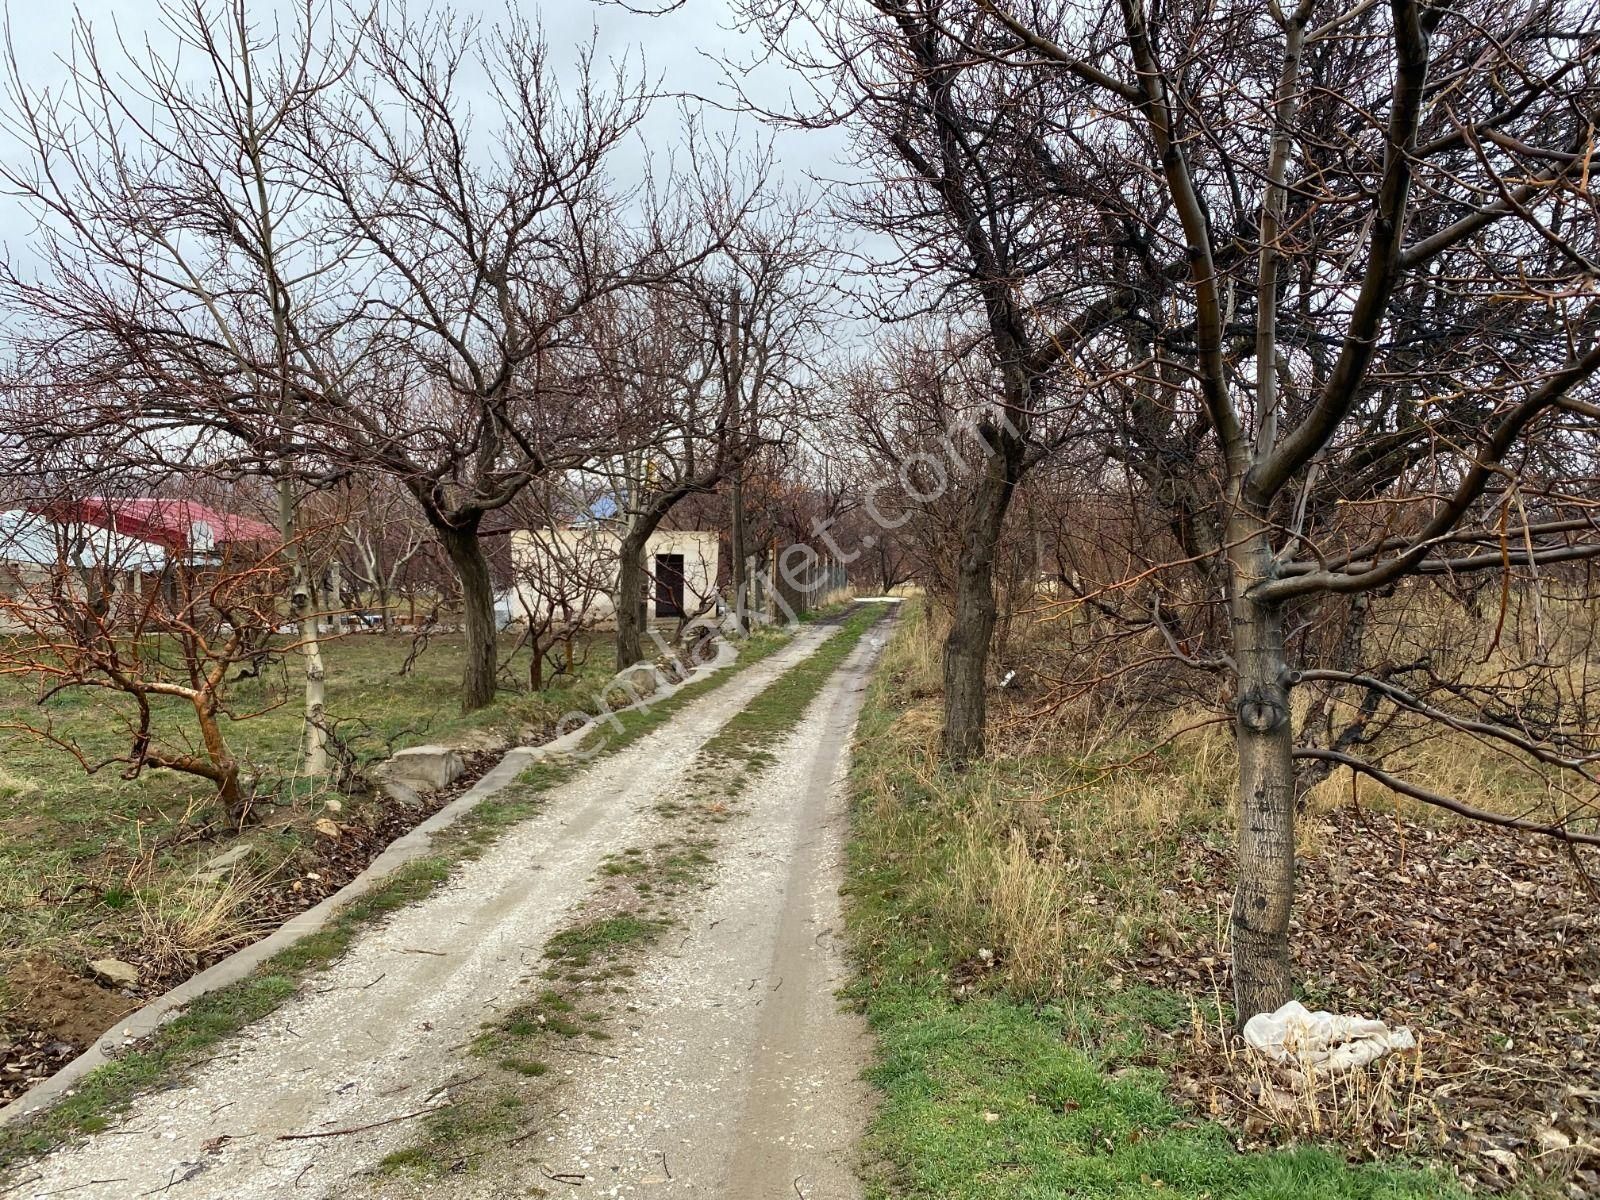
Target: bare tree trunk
x=225, y=767
x=1263, y=979
x=465, y=549
x=740, y=564
x=631, y=577
x=536, y=666
x=771, y=592
x=736, y=498
x=966, y=649
x=300, y=606
x=336, y=590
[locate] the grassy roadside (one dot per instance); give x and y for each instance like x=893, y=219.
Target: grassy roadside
x=583, y=986
x=99, y=865
x=1001, y=1078
x=184, y=1041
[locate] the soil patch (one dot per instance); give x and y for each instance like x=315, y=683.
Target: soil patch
x=17, y=829
x=54, y=1015
x=1486, y=943
x=51, y=999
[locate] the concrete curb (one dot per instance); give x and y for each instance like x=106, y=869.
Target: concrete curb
x=404, y=849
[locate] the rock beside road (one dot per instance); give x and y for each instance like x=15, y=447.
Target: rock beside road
x=113, y=972
x=223, y=863
x=424, y=768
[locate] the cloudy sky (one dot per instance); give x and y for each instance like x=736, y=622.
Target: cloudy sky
x=677, y=49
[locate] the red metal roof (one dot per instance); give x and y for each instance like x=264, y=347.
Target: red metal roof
x=170, y=523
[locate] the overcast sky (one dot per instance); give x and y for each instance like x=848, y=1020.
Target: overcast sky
x=674, y=49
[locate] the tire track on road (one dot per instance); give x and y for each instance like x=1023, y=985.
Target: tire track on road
x=736, y=1074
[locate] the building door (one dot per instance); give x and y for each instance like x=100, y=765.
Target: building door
x=669, y=585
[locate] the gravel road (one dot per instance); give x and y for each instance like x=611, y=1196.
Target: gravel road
x=735, y=1075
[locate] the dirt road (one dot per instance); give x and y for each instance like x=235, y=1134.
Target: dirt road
x=735, y=1073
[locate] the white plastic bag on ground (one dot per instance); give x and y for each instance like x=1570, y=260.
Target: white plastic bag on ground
x=1321, y=1043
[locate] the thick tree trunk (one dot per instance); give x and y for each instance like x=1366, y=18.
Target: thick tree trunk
x=631, y=578
x=740, y=561
x=1263, y=979
x=966, y=649
x=465, y=549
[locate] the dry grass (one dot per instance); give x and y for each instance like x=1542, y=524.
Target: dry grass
x=1023, y=899
x=1066, y=833
x=1533, y=654
x=199, y=923
x=837, y=598
x=913, y=659
x=1044, y=883
x=13, y=786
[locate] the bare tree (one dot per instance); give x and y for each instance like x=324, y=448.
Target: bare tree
x=380, y=539
x=373, y=281
x=902, y=411
x=778, y=273
x=676, y=434
x=482, y=249
x=958, y=180
x=92, y=611
x=714, y=368
x=563, y=564
x=1364, y=247
x=175, y=255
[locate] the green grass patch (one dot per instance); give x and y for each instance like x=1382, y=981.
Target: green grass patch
x=989, y=1099
x=580, y=945
x=749, y=736
x=530, y=1067
x=481, y=1116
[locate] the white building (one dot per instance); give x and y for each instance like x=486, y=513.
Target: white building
x=571, y=573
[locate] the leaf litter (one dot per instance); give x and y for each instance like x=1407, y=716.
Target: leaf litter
x=1486, y=943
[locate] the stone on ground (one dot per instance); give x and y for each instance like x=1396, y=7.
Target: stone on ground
x=424, y=768
x=113, y=972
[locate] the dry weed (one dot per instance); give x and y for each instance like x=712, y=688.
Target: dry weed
x=1024, y=898
x=841, y=595
x=199, y=923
